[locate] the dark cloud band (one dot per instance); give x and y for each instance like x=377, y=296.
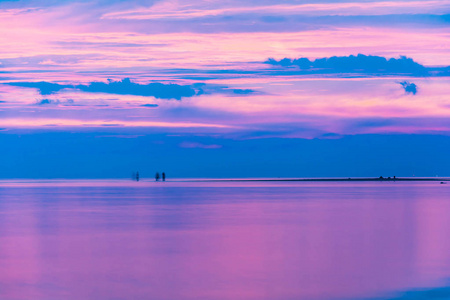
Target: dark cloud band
x=365, y=64
x=128, y=87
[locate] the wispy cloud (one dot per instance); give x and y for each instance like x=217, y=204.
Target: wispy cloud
x=74, y=123
x=200, y=9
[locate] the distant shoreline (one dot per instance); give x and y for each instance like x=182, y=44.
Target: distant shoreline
x=324, y=179
x=212, y=180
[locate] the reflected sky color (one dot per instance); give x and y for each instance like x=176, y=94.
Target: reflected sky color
x=216, y=51
x=180, y=240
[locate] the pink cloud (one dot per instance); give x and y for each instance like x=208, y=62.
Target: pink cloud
x=197, y=9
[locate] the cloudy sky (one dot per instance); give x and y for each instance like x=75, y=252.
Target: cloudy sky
x=98, y=89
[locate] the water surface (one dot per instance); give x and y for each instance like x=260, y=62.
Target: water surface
x=224, y=240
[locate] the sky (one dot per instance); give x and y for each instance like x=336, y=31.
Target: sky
x=328, y=88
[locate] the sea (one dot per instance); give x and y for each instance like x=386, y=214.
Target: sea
x=227, y=240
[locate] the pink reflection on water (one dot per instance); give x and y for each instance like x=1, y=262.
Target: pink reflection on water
x=184, y=240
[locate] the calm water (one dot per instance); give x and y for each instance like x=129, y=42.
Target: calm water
x=126, y=240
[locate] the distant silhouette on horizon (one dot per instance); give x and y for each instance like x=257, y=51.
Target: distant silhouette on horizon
x=163, y=176
x=135, y=176
x=157, y=176
x=388, y=178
